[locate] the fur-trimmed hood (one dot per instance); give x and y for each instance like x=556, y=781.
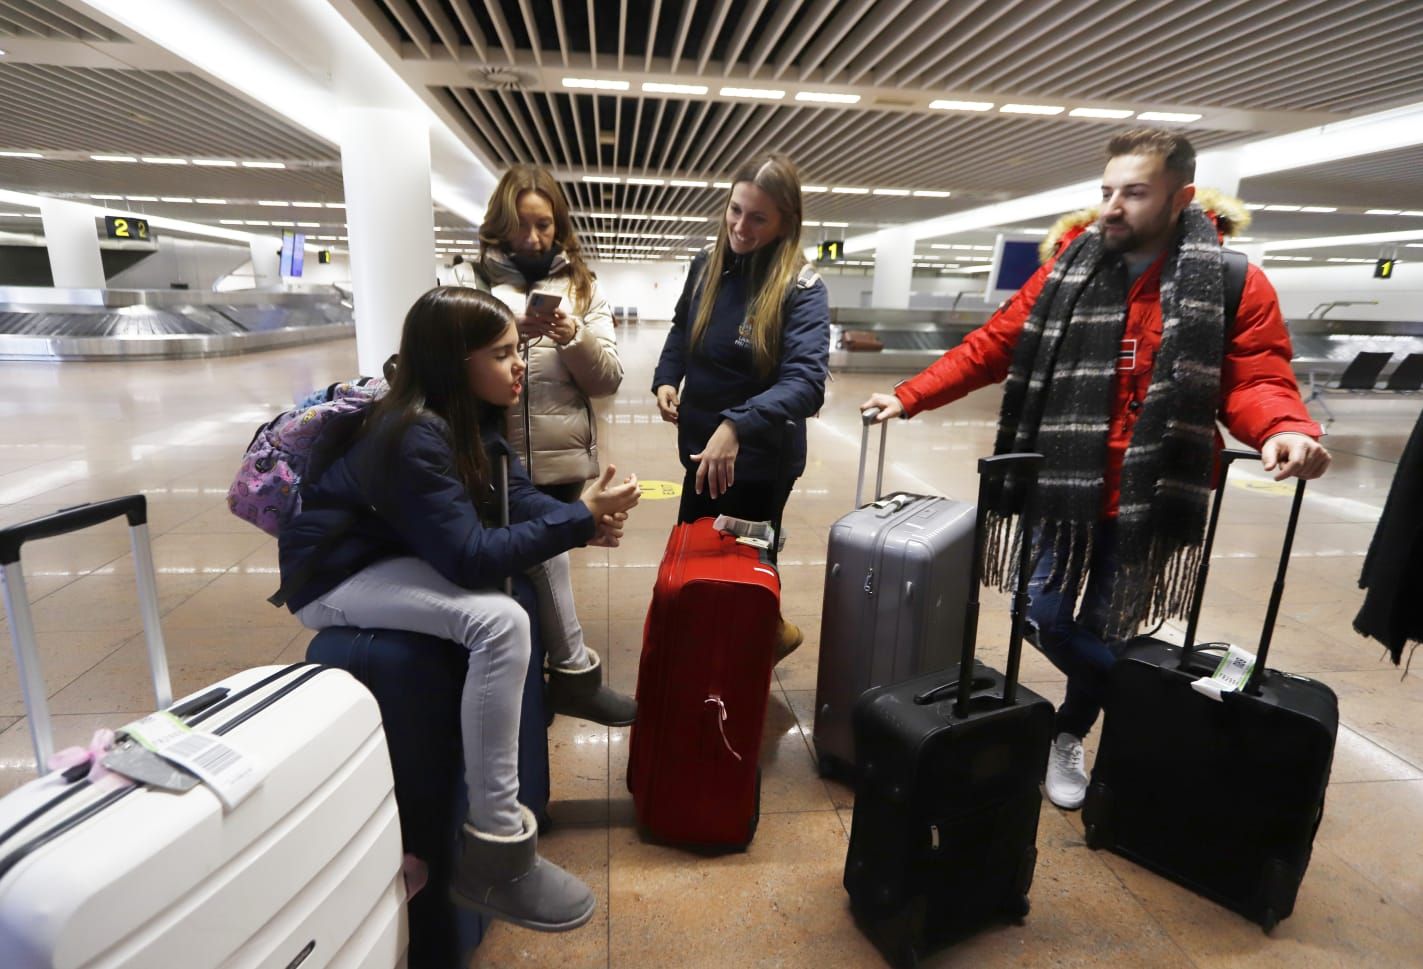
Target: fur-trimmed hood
x=1230, y=215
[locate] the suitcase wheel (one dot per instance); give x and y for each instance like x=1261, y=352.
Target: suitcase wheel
x=1019, y=908
x=1269, y=920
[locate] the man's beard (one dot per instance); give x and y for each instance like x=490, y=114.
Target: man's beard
x=1131, y=240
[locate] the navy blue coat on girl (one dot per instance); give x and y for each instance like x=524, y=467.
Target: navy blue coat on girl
x=409, y=501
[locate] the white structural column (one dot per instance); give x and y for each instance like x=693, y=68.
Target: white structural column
x=266, y=262
x=73, y=242
x=1219, y=170
x=385, y=162
x=894, y=269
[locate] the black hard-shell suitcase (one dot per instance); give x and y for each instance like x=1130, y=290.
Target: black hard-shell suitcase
x=1223, y=797
x=946, y=808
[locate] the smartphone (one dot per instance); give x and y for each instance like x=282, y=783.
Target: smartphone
x=543, y=304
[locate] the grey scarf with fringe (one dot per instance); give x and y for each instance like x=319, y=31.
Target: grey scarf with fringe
x=1058, y=400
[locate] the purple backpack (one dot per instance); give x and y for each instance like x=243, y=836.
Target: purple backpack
x=267, y=489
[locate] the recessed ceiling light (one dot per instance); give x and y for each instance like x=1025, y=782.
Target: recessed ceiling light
x=813, y=225
x=943, y=105
x=930, y=194
x=143, y=198
x=1383, y=211
x=108, y=198
x=657, y=87
x=215, y=162
x=182, y=199
x=163, y=160
x=827, y=97
x=686, y=183
x=273, y=203
x=1412, y=212
x=645, y=181
x=848, y=190
x=211, y=201
x=891, y=191
x=1168, y=116
x=1031, y=109
x=263, y=164
x=595, y=84
x=308, y=225
x=813, y=189
x=1318, y=208
x=335, y=205
x=114, y=158
x=307, y=205
x=255, y=222
x=1283, y=208
x=1100, y=113
x=727, y=185
x=229, y=222
x=20, y=154
x=836, y=225
x=1254, y=206
x=602, y=179
x=753, y=93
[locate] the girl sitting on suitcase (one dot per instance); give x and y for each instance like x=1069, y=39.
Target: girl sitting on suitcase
x=749, y=349
x=414, y=501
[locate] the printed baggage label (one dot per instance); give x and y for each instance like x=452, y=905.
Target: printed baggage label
x=231, y=774
x=1232, y=673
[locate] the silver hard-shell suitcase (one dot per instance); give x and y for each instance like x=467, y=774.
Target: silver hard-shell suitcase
x=896, y=576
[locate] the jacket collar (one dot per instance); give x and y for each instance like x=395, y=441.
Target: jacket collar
x=500, y=268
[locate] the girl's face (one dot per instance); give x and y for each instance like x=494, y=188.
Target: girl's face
x=496, y=371
x=536, y=230
x=752, y=219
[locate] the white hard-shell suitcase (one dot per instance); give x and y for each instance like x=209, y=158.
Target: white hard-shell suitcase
x=304, y=872
x=896, y=579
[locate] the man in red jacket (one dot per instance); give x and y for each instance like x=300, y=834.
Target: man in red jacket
x=1118, y=359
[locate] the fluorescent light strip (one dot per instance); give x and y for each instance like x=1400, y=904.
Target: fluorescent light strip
x=1115, y=113
x=848, y=190
x=20, y=154
x=645, y=181
x=215, y=162
x=1318, y=208
x=595, y=84
x=727, y=185
x=686, y=183
x=1283, y=208
x=827, y=97
x=273, y=204
x=657, y=87
x=1383, y=211
x=108, y=198
x=181, y=199
x=1044, y=109
x=813, y=189
x=264, y=164
x=943, y=105
x=602, y=179
x=930, y=194
x=163, y=160
x=127, y=159
x=890, y=191
x=211, y=201
x=1180, y=116
x=753, y=93
x=143, y=198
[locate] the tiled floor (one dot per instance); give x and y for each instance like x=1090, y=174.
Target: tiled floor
x=174, y=431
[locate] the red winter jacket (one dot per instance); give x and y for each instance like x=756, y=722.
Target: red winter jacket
x=1259, y=396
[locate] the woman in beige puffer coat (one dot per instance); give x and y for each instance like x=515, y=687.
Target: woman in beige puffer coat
x=529, y=246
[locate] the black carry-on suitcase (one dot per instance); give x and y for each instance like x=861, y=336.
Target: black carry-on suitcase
x=1223, y=797
x=946, y=808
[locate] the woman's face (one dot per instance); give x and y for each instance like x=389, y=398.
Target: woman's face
x=535, y=233
x=496, y=371
x=752, y=219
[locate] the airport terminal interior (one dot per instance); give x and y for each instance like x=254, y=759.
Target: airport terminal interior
x=931, y=136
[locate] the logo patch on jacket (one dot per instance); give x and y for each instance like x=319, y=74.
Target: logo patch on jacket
x=743, y=334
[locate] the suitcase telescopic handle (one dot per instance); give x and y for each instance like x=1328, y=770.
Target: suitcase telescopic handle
x=17, y=603
x=867, y=418
x=1277, y=592
x=1029, y=464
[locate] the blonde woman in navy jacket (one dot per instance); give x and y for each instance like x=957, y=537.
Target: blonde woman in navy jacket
x=748, y=350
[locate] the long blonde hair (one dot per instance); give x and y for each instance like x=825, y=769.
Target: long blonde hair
x=501, y=221
x=774, y=268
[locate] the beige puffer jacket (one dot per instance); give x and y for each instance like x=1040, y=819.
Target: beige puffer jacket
x=562, y=381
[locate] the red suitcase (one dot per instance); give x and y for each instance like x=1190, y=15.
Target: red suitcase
x=707, y=651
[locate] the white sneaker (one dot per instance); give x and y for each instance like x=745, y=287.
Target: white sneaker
x=1066, y=781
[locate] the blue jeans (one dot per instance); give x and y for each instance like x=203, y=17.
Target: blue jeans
x=1075, y=644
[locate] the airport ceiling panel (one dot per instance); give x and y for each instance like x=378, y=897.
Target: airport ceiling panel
x=50, y=21
x=1315, y=55
x=49, y=107
x=1384, y=180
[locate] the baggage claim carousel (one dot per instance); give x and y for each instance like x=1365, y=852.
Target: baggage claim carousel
x=913, y=339
x=131, y=324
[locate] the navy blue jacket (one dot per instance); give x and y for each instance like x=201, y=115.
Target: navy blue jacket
x=719, y=380
x=412, y=502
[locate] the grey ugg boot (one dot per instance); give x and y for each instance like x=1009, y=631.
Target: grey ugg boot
x=581, y=694
x=506, y=878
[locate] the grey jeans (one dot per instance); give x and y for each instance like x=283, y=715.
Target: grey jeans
x=408, y=593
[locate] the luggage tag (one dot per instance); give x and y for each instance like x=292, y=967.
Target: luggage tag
x=1232, y=673
x=755, y=534
x=138, y=763
x=231, y=774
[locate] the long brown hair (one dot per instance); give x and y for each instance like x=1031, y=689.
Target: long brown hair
x=441, y=330
x=773, y=268
x=501, y=221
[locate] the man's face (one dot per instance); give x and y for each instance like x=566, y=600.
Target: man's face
x=1141, y=202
